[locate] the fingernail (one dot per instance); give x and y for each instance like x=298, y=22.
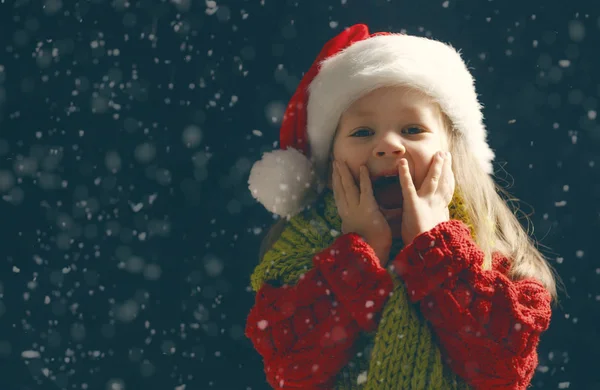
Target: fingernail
x=447, y=154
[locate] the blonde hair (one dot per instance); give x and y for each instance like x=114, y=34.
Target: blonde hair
x=493, y=215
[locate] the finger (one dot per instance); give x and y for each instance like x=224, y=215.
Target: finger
x=338, y=191
x=366, y=188
x=350, y=189
x=448, y=184
x=432, y=180
x=409, y=193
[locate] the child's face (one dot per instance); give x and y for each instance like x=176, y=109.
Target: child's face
x=383, y=127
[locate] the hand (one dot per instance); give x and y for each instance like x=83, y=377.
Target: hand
x=424, y=209
x=359, y=210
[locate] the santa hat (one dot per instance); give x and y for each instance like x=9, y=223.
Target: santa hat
x=349, y=66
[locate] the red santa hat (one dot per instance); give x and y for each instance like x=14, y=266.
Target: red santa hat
x=349, y=66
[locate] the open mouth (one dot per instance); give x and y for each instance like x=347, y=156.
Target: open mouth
x=388, y=192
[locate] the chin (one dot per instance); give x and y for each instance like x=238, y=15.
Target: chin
x=394, y=219
x=396, y=227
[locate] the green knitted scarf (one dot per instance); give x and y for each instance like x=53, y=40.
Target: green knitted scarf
x=402, y=353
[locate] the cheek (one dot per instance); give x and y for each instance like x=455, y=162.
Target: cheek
x=353, y=158
x=422, y=157
x=418, y=178
x=421, y=168
x=354, y=170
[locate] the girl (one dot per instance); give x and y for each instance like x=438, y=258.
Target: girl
x=397, y=265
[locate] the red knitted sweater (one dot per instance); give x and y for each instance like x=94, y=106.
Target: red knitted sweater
x=487, y=326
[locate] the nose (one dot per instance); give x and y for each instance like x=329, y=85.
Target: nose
x=390, y=146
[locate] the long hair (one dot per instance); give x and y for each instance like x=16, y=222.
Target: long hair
x=272, y=235
x=492, y=212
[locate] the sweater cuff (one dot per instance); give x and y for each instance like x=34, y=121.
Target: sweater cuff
x=356, y=278
x=434, y=257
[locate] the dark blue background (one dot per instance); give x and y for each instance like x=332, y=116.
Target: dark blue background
x=69, y=287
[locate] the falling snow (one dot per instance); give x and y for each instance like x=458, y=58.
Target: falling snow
x=127, y=134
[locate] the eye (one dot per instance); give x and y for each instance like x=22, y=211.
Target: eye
x=412, y=130
x=364, y=132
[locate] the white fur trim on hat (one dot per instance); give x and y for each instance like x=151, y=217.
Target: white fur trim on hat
x=282, y=181
x=386, y=60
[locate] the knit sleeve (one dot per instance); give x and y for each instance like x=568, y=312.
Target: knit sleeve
x=353, y=272
x=488, y=326
x=306, y=332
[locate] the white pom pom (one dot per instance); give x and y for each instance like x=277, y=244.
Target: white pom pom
x=282, y=181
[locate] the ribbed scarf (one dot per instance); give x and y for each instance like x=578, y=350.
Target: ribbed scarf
x=402, y=353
